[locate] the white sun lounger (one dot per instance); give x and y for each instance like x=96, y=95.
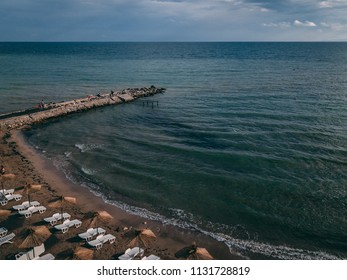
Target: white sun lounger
x=7, y=238
x=24, y=256
x=9, y=191
x=151, y=258
x=53, y=220
x=46, y=257
x=31, y=210
x=26, y=205
x=8, y=197
x=64, y=227
x=34, y=254
x=91, y=232
x=3, y=231
x=130, y=254
x=102, y=239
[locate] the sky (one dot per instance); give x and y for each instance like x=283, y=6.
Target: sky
x=173, y=20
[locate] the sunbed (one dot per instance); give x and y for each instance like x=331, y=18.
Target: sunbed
x=130, y=254
x=4, y=199
x=7, y=238
x=91, y=232
x=34, y=254
x=3, y=231
x=46, y=257
x=53, y=220
x=101, y=239
x=64, y=227
x=9, y=191
x=31, y=210
x=26, y=205
x=151, y=258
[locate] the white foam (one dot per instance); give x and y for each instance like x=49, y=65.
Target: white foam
x=88, y=171
x=240, y=246
x=87, y=147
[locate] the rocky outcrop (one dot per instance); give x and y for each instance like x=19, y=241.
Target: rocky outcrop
x=53, y=110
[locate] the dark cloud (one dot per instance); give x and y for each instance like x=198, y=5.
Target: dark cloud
x=168, y=20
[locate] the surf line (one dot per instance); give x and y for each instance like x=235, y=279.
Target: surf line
x=52, y=110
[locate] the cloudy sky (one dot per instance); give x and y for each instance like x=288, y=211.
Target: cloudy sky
x=173, y=20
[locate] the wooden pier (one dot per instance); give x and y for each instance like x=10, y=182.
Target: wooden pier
x=150, y=103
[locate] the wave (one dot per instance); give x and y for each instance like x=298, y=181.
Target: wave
x=87, y=147
x=238, y=239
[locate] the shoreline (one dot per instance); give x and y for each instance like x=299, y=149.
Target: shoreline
x=169, y=239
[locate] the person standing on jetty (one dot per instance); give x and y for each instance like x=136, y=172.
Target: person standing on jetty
x=42, y=105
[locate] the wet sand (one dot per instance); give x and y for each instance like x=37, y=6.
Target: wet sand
x=29, y=166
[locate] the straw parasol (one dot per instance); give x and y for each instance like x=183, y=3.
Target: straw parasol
x=61, y=201
x=98, y=217
x=6, y=177
x=193, y=252
x=31, y=187
x=81, y=253
x=5, y=213
x=33, y=236
x=140, y=237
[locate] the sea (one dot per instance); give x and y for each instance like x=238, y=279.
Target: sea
x=247, y=145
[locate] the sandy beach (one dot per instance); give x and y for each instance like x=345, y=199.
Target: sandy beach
x=30, y=167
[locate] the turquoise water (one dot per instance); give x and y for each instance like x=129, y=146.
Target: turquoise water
x=248, y=144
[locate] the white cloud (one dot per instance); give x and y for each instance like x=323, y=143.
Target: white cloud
x=334, y=26
x=332, y=3
x=305, y=23
x=283, y=24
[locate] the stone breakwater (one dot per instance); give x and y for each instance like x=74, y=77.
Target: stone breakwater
x=53, y=110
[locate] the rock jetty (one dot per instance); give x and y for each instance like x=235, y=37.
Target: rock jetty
x=53, y=110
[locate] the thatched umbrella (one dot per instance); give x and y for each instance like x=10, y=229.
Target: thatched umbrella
x=193, y=252
x=5, y=213
x=140, y=237
x=61, y=201
x=31, y=187
x=98, y=217
x=81, y=253
x=6, y=177
x=33, y=236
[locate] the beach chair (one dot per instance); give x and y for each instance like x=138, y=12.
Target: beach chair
x=22, y=257
x=130, y=254
x=3, y=231
x=39, y=250
x=7, y=238
x=53, y=220
x=151, y=258
x=46, y=257
x=25, y=205
x=29, y=255
x=8, y=197
x=64, y=227
x=31, y=210
x=91, y=232
x=9, y=191
x=33, y=254
x=102, y=239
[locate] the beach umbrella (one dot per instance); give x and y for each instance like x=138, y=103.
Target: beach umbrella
x=140, y=237
x=5, y=213
x=193, y=252
x=30, y=188
x=33, y=236
x=61, y=201
x=6, y=177
x=81, y=253
x=98, y=217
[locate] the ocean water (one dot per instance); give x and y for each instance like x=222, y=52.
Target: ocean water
x=248, y=144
